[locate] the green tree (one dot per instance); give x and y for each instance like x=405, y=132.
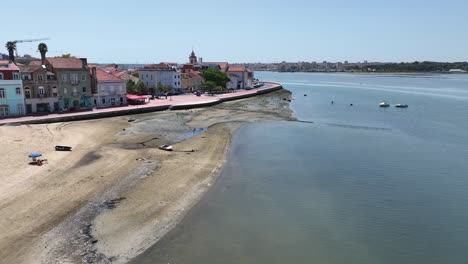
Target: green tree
x=209, y=86
x=11, y=47
x=42, y=48
x=141, y=88
x=131, y=89
x=66, y=55
x=216, y=76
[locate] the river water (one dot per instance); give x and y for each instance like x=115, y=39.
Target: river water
x=361, y=184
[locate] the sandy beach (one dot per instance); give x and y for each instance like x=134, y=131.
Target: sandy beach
x=116, y=193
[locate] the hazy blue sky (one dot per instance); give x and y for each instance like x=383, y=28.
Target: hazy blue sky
x=243, y=30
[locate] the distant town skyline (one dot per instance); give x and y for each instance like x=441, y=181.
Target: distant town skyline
x=245, y=32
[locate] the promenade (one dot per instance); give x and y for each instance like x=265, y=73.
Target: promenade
x=176, y=102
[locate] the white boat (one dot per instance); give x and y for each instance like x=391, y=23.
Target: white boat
x=401, y=105
x=165, y=147
x=384, y=104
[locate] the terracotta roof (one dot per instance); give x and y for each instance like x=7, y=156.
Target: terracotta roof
x=195, y=74
x=236, y=68
x=160, y=66
x=28, y=68
x=222, y=65
x=10, y=67
x=102, y=75
x=35, y=63
x=66, y=63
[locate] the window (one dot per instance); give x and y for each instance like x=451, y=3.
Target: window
x=4, y=110
x=75, y=92
x=27, y=92
x=27, y=77
x=2, y=93
x=54, y=91
x=74, y=78
x=83, y=77
x=20, y=108
x=175, y=83
x=41, y=91
x=1, y=76
x=64, y=77
x=112, y=101
x=18, y=91
x=15, y=76
x=40, y=78
x=65, y=91
x=84, y=89
x=103, y=100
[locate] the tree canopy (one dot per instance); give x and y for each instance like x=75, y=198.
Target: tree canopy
x=218, y=77
x=136, y=88
x=66, y=55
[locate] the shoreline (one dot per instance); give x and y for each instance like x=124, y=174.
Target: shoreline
x=181, y=102
x=125, y=207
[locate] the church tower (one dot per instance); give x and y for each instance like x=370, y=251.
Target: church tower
x=193, y=58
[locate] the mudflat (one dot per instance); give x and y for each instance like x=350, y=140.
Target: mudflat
x=116, y=193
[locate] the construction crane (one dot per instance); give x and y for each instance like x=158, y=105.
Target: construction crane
x=26, y=40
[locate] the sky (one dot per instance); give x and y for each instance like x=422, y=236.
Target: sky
x=141, y=31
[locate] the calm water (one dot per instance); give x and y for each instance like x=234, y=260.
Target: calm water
x=360, y=185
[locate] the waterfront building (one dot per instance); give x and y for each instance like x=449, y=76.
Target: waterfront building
x=11, y=90
x=108, y=89
x=152, y=75
x=191, y=80
x=74, y=83
x=243, y=75
x=40, y=88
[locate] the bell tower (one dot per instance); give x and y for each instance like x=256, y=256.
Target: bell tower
x=193, y=58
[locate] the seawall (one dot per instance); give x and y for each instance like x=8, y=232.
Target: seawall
x=170, y=105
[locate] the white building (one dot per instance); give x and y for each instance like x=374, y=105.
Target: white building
x=110, y=90
x=151, y=75
x=241, y=77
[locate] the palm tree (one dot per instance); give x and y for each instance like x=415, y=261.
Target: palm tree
x=11, y=47
x=42, y=48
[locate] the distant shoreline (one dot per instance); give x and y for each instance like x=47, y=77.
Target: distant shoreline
x=376, y=73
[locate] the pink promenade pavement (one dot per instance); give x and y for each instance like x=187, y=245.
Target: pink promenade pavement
x=173, y=102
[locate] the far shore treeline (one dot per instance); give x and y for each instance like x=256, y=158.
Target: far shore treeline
x=425, y=66
x=382, y=67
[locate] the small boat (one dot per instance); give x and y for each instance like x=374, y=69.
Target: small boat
x=63, y=148
x=384, y=104
x=401, y=105
x=165, y=147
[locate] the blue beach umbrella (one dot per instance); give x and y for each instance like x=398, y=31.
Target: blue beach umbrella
x=34, y=155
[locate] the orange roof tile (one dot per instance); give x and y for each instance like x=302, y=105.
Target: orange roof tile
x=236, y=68
x=66, y=63
x=102, y=75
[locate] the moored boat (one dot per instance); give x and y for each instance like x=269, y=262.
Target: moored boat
x=384, y=104
x=401, y=105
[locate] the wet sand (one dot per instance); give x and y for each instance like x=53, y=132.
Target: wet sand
x=116, y=193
